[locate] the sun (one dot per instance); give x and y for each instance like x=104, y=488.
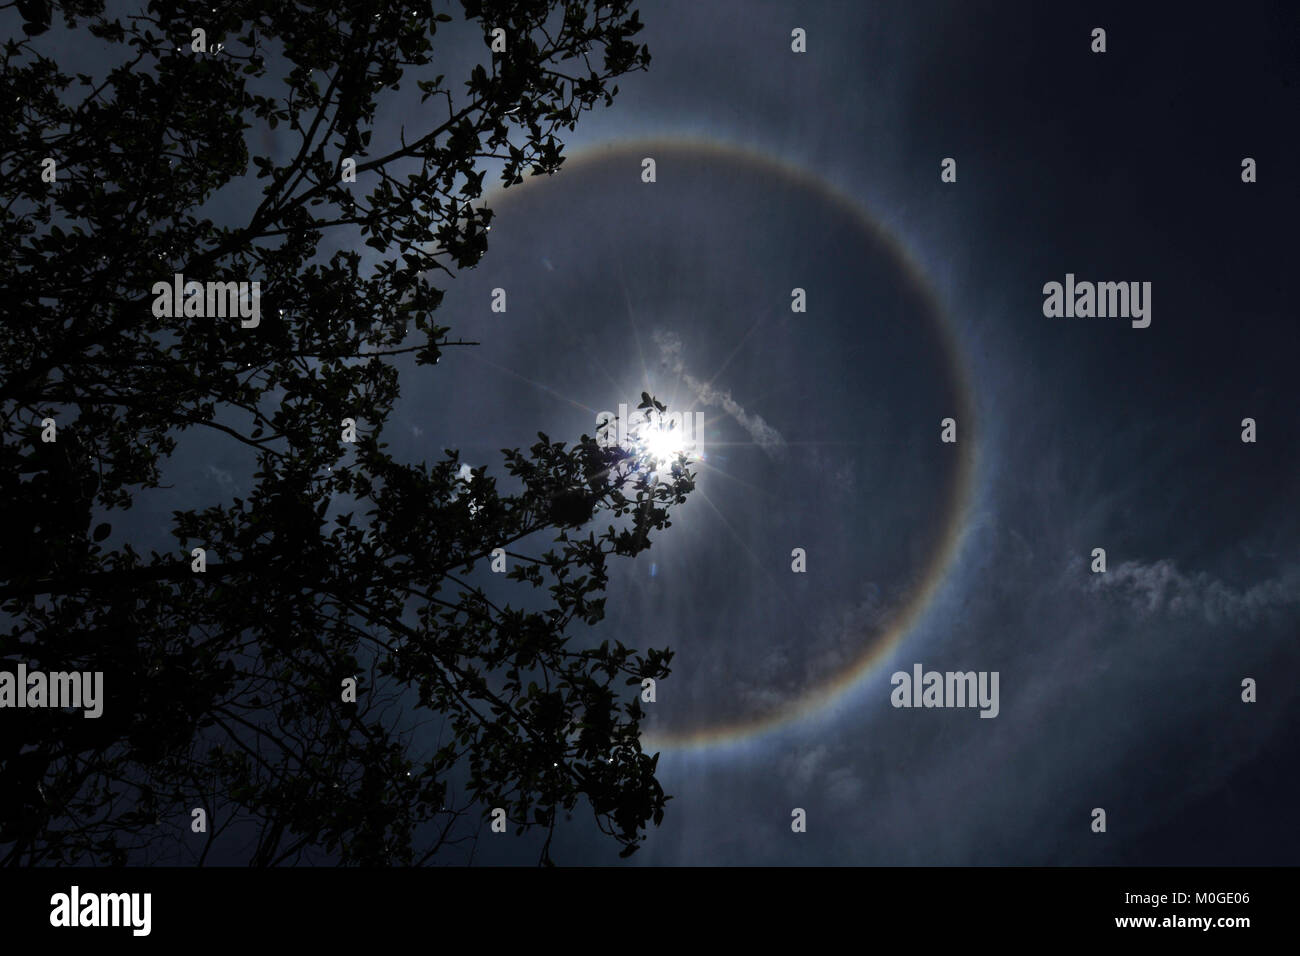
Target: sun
x=661, y=445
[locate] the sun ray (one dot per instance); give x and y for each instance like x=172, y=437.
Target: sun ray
x=631, y=320
x=740, y=541
x=536, y=384
x=735, y=351
x=713, y=469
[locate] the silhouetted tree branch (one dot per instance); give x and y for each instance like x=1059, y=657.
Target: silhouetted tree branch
x=224, y=687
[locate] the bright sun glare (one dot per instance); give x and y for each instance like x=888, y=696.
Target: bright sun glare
x=661, y=446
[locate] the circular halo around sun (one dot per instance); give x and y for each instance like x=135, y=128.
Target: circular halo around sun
x=820, y=428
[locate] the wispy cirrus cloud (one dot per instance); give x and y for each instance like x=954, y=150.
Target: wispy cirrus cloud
x=763, y=434
x=1161, y=588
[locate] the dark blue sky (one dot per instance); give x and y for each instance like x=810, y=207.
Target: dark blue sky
x=1119, y=691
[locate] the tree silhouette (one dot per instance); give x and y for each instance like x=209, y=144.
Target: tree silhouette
x=227, y=687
